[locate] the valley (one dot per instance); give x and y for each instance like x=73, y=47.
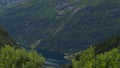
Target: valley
x=63, y=33
x=62, y=24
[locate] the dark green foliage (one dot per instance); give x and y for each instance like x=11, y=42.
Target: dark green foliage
x=107, y=45
x=5, y=39
x=20, y=58
x=104, y=55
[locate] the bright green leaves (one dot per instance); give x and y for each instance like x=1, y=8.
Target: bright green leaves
x=109, y=59
x=20, y=58
x=86, y=59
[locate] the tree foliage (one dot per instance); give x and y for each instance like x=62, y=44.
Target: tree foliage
x=20, y=58
x=110, y=59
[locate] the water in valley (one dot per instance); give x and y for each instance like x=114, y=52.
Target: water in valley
x=53, y=59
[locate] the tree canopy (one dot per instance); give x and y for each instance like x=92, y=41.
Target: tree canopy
x=20, y=58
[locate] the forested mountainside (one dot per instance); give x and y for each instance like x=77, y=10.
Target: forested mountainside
x=5, y=39
x=103, y=55
x=62, y=25
x=12, y=57
x=107, y=45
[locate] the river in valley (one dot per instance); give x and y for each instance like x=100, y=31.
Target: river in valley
x=53, y=59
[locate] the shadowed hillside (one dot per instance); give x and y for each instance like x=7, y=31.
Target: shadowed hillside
x=62, y=25
x=5, y=39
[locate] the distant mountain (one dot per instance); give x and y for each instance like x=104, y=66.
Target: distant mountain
x=62, y=25
x=6, y=2
x=9, y=3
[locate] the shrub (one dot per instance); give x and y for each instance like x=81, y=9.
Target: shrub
x=110, y=59
x=20, y=58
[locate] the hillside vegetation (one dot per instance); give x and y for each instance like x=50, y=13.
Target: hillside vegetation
x=62, y=25
x=20, y=58
x=104, y=55
x=5, y=39
x=12, y=57
x=104, y=60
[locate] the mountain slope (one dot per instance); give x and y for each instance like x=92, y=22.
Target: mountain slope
x=62, y=25
x=90, y=25
x=104, y=53
x=5, y=39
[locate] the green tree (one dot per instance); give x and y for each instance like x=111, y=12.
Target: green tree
x=110, y=59
x=86, y=60
x=20, y=58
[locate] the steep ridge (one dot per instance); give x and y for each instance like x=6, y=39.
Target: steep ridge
x=62, y=25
